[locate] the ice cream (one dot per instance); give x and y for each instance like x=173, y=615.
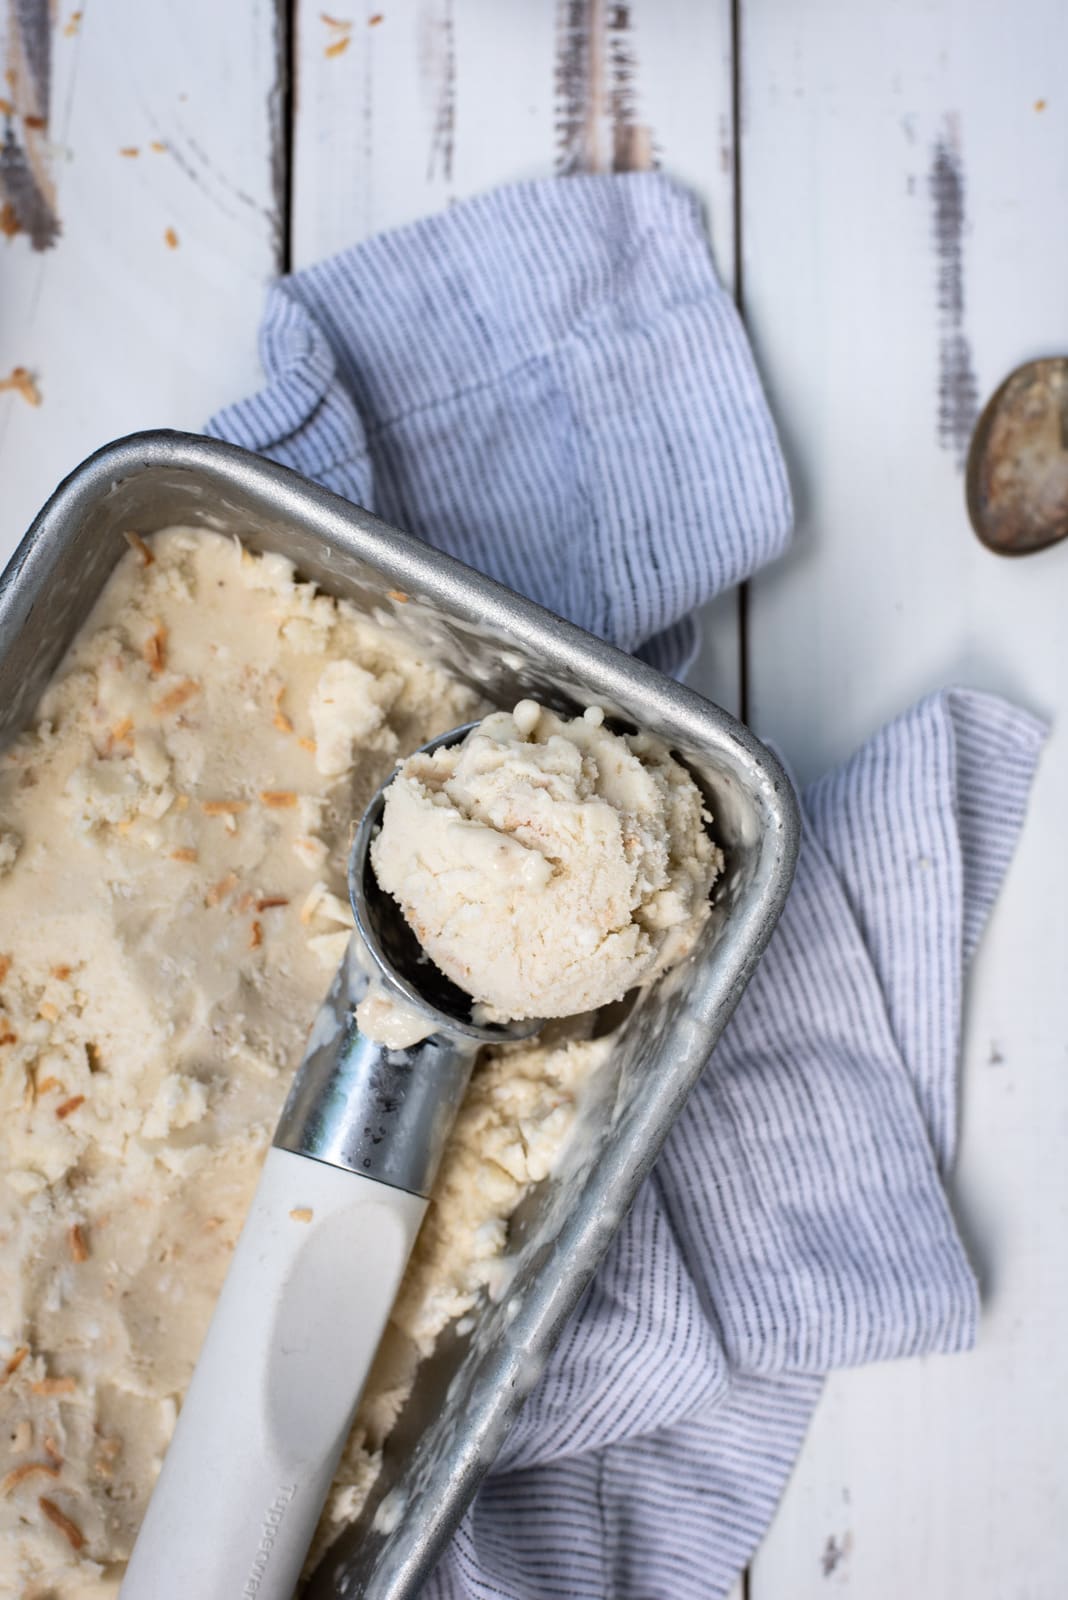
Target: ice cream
x=547, y=865
x=174, y=829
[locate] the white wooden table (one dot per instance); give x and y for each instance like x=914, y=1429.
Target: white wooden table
x=887, y=191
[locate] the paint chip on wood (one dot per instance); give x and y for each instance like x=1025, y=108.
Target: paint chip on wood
x=834, y=1553
x=27, y=191
x=632, y=140
x=958, y=389
x=302, y=1213
x=170, y=239
x=437, y=63
x=598, y=126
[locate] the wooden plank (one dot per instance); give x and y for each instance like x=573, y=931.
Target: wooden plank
x=403, y=109
x=425, y=104
x=144, y=311
x=905, y=228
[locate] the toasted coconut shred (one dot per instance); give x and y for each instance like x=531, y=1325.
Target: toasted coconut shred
x=156, y=997
x=22, y=381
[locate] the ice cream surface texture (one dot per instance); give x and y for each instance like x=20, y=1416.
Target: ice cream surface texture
x=174, y=827
x=174, y=832
x=548, y=865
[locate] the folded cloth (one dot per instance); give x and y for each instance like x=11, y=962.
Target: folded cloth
x=550, y=383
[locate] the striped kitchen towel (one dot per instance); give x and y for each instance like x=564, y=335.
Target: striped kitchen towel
x=550, y=383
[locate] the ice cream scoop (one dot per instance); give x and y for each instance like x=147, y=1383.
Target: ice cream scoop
x=317, y=1266
x=546, y=864
x=525, y=866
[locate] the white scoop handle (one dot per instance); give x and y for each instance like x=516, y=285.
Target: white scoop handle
x=267, y=1413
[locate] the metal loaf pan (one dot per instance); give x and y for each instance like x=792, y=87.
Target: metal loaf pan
x=467, y=1396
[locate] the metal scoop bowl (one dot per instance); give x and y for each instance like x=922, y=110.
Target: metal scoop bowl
x=355, y=1102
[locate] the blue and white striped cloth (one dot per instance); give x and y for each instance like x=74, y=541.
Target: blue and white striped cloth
x=550, y=383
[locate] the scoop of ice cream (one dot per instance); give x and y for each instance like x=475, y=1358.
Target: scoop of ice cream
x=545, y=865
